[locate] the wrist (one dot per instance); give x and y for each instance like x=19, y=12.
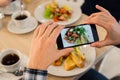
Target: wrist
x=35, y=71
x=38, y=66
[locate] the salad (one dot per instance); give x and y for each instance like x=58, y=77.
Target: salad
x=57, y=13
x=76, y=35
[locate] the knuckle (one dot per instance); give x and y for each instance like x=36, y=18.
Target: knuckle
x=42, y=39
x=99, y=45
x=110, y=25
x=50, y=41
x=96, y=21
x=60, y=28
x=93, y=14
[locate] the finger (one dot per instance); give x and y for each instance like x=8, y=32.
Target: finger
x=43, y=27
x=101, y=15
x=97, y=21
x=65, y=51
x=101, y=21
x=56, y=32
x=100, y=44
x=49, y=29
x=102, y=9
x=98, y=13
x=93, y=15
x=36, y=31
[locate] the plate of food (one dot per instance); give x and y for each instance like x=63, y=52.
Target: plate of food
x=76, y=62
x=59, y=11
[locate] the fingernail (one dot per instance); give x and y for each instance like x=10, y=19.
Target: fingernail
x=51, y=21
x=92, y=45
x=54, y=24
x=71, y=49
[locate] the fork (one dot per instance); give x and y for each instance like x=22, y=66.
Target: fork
x=22, y=7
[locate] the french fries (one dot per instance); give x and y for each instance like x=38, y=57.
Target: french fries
x=74, y=59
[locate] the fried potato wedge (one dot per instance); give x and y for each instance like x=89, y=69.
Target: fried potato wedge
x=69, y=63
x=58, y=62
x=78, y=57
x=77, y=50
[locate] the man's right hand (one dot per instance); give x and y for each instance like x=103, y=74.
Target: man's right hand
x=108, y=22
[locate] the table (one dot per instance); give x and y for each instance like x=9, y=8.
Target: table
x=22, y=42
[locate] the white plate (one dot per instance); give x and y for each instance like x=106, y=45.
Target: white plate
x=75, y=15
x=90, y=55
x=110, y=65
x=30, y=26
x=9, y=76
x=11, y=8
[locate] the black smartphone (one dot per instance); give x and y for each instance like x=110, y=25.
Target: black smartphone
x=77, y=35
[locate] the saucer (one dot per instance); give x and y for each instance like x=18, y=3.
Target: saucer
x=10, y=76
x=11, y=8
x=30, y=26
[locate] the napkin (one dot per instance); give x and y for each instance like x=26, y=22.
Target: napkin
x=110, y=65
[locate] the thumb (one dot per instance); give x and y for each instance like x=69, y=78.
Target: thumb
x=100, y=44
x=65, y=51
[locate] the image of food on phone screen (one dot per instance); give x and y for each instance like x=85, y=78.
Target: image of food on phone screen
x=78, y=35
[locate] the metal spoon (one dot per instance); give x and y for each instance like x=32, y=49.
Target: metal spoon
x=21, y=7
x=18, y=72
x=1, y=17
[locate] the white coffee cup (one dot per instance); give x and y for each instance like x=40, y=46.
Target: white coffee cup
x=21, y=23
x=12, y=67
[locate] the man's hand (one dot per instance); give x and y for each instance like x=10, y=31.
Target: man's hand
x=43, y=50
x=108, y=22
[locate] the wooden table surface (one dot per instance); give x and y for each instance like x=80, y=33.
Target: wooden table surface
x=22, y=42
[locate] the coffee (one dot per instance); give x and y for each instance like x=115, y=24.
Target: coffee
x=13, y=0
x=10, y=59
x=21, y=17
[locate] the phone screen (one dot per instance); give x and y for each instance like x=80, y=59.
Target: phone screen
x=77, y=35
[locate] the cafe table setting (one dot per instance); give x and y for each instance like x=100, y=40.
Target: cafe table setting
x=18, y=25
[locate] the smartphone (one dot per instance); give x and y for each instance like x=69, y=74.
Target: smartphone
x=77, y=35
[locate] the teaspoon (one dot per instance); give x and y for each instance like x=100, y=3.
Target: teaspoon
x=22, y=7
